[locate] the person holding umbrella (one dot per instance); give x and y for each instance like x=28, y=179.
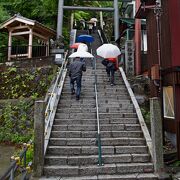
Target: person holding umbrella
x=94, y=20
x=111, y=67
x=75, y=73
x=110, y=53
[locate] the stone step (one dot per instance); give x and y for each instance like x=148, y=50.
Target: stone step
x=93, y=159
x=93, y=150
x=89, y=102
x=83, y=94
x=113, y=96
x=81, y=101
x=101, y=88
x=105, y=94
x=93, y=110
x=139, y=176
x=75, y=115
x=117, y=103
x=94, y=121
x=102, y=84
x=117, y=115
x=114, y=169
x=92, y=93
x=101, y=101
x=93, y=134
x=68, y=97
x=76, y=110
x=73, y=104
x=93, y=115
x=91, y=127
x=92, y=97
x=113, y=105
x=93, y=141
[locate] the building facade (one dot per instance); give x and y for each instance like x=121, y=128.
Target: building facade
x=163, y=56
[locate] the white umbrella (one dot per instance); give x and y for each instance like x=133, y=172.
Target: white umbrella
x=81, y=54
x=108, y=51
x=82, y=47
x=94, y=19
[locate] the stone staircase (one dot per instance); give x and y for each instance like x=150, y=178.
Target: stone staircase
x=72, y=152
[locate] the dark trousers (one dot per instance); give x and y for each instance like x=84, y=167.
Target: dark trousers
x=90, y=31
x=110, y=73
x=78, y=83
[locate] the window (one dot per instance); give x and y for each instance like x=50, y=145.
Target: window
x=168, y=102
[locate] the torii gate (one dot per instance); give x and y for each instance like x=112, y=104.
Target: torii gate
x=61, y=8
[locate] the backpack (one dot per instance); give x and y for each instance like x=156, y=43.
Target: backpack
x=104, y=62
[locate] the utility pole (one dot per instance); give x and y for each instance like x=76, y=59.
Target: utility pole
x=60, y=18
x=116, y=19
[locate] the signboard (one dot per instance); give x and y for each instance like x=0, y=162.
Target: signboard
x=72, y=36
x=129, y=57
x=58, y=59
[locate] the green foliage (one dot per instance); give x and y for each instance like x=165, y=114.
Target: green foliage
x=145, y=109
x=45, y=11
x=29, y=154
x=146, y=114
x=15, y=83
x=16, y=122
x=176, y=164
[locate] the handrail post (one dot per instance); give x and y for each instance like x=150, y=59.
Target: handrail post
x=98, y=124
x=39, y=124
x=25, y=159
x=100, y=163
x=12, y=174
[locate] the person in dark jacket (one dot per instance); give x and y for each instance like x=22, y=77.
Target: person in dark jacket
x=75, y=73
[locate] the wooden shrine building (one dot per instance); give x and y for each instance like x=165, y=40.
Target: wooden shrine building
x=26, y=30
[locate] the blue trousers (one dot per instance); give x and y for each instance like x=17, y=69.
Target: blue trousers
x=78, y=83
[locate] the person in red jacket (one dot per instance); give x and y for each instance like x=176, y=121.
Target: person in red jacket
x=111, y=67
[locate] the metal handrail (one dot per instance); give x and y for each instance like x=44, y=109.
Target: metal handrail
x=15, y=164
x=48, y=107
x=100, y=163
x=53, y=100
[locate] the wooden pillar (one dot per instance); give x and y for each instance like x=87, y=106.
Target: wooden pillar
x=9, y=45
x=30, y=43
x=47, y=48
x=138, y=41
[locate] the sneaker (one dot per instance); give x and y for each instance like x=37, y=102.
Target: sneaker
x=112, y=84
x=77, y=97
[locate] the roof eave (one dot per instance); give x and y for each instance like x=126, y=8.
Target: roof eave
x=17, y=18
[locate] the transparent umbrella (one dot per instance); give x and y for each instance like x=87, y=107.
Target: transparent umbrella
x=94, y=19
x=82, y=47
x=108, y=51
x=81, y=54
